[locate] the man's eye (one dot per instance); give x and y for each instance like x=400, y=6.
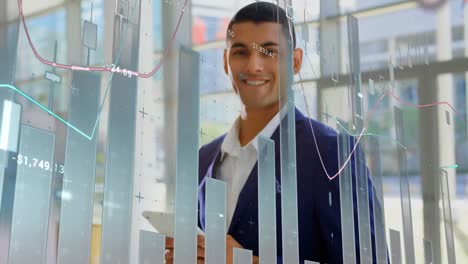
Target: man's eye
x=239, y=52
x=272, y=53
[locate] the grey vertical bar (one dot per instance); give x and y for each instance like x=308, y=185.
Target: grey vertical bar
x=404, y=188
x=391, y=73
x=215, y=231
x=1, y=189
x=266, y=201
x=355, y=70
x=152, y=246
x=289, y=210
x=76, y=217
x=428, y=252
x=371, y=87
x=346, y=199
x=395, y=244
x=6, y=208
x=430, y=162
x=242, y=256
x=9, y=135
x=378, y=201
x=357, y=96
x=10, y=123
x=447, y=117
x=8, y=50
x=186, y=201
x=445, y=193
x=9, y=29
x=118, y=186
x=32, y=197
x=362, y=192
x=9, y=33
x=305, y=35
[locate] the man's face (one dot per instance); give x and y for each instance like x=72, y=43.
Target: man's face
x=251, y=59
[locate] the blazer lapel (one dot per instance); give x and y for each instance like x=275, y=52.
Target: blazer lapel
x=202, y=186
x=247, y=197
x=249, y=193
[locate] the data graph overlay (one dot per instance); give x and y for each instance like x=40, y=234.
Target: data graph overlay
x=136, y=131
x=124, y=11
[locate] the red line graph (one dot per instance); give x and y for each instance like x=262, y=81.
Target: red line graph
x=427, y=105
x=99, y=69
x=371, y=112
x=164, y=57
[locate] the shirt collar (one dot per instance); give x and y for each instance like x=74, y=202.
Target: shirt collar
x=231, y=144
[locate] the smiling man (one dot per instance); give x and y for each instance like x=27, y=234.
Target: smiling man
x=256, y=60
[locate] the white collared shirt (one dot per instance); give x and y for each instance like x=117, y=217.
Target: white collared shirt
x=237, y=162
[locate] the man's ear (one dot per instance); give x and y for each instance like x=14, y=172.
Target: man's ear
x=225, y=61
x=297, y=57
x=226, y=70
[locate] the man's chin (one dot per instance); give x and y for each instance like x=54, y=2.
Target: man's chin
x=255, y=106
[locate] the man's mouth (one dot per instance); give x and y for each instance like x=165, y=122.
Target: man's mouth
x=255, y=82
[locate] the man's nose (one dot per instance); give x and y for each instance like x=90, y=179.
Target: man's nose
x=255, y=63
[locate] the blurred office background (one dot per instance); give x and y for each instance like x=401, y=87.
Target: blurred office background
x=427, y=44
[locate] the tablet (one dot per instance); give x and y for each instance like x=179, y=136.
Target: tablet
x=163, y=222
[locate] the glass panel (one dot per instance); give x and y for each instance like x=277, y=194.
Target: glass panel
x=151, y=248
x=215, y=231
x=32, y=197
x=395, y=244
x=266, y=200
x=118, y=185
x=185, y=222
x=360, y=170
x=404, y=189
x=80, y=160
x=10, y=127
x=346, y=197
x=378, y=198
x=428, y=253
x=289, y=212
x=242, y=256
x=9, y=32
x=445, y=193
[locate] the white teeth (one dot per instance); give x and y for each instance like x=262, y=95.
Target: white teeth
x=255, y=82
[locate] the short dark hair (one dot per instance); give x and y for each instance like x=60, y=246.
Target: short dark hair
x=259, y=12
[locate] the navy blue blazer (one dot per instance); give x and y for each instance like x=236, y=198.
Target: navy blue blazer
x=319, y=223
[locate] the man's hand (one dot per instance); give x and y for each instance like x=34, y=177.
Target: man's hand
x=200, y=250
x=231, y=243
